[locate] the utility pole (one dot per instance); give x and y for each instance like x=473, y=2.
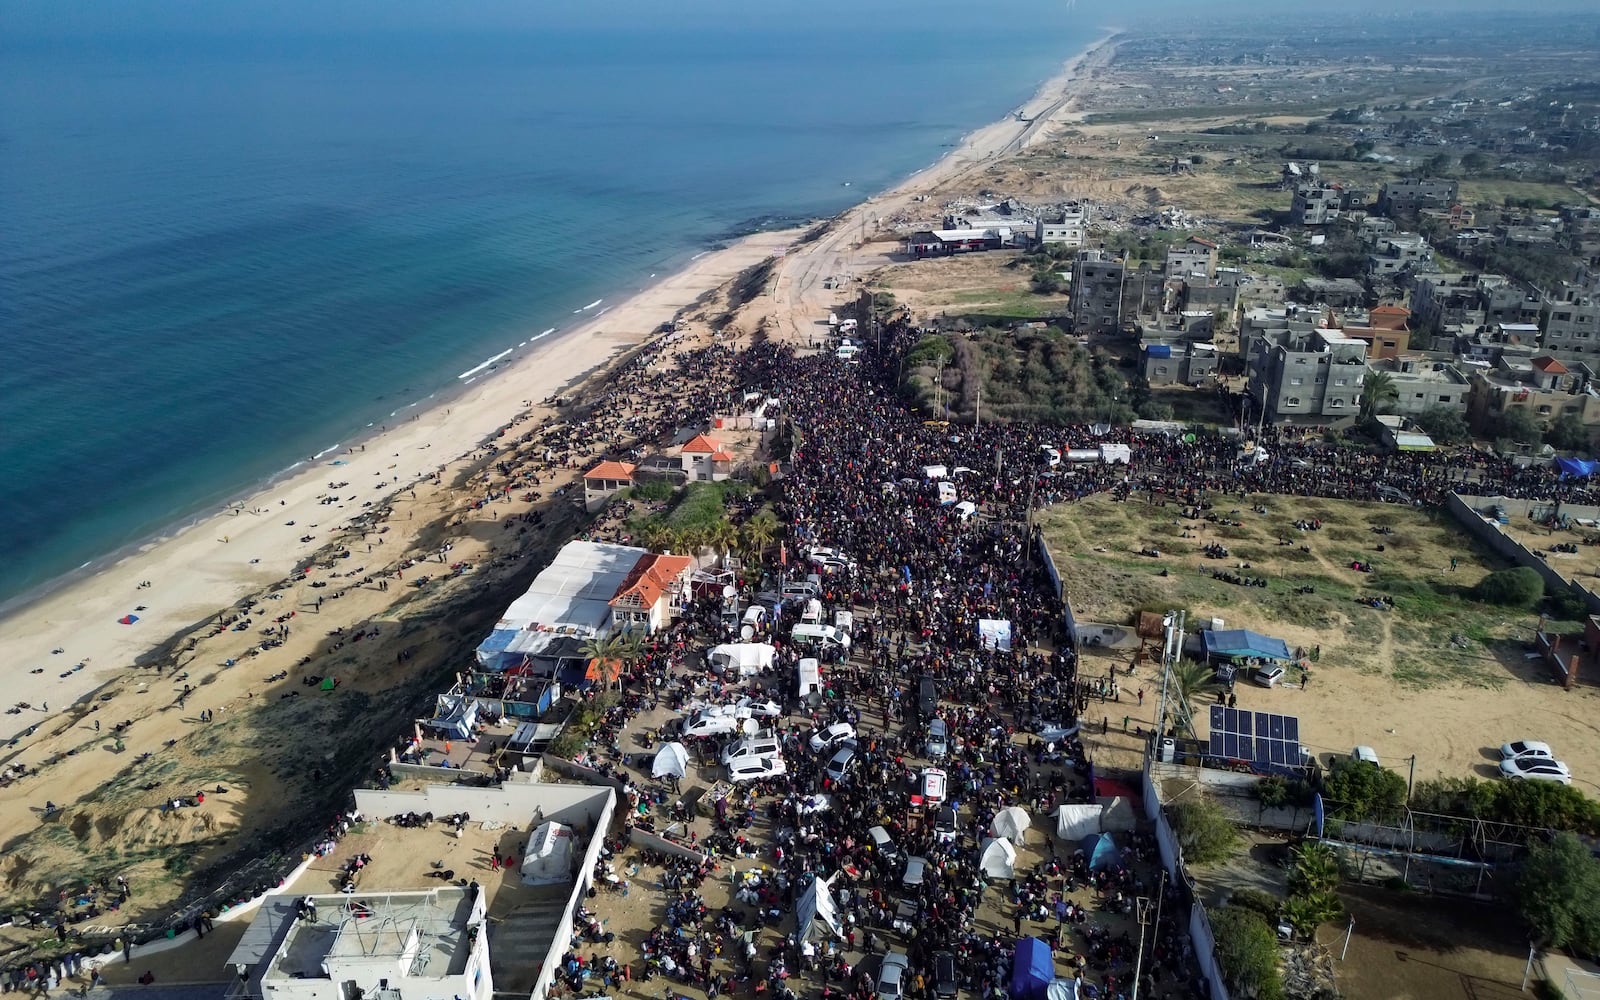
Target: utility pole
x=1142, y=907
x=977, y=420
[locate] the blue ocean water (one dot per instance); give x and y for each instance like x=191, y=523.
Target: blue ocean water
x=228, y=246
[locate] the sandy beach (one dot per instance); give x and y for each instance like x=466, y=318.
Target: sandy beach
x=73, y=663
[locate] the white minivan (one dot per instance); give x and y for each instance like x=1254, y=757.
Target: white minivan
x=820, y=637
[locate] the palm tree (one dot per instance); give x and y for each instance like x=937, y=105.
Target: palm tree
x=1377, y=391
x=723, y=537
x=653, y=534
x=1190, y=680
x=759, y=532
x=604, y=652
x=629, y=650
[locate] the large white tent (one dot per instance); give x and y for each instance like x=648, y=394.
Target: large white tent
x=672, y=760
x=817, y=902
x=997, y=858
x=549, y=857
x=1077, y=820
x=1011, y=823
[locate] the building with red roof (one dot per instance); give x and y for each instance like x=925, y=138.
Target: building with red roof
x=604, y=480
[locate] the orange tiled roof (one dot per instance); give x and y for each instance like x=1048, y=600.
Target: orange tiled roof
x=650, y=578
x=702, y=445
x=611, y=470
x=1550, y=366
x=721, y=456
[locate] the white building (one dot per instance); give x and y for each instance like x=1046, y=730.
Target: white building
x=1067, y=229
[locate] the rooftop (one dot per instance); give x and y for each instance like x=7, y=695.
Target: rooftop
x=700, y=444
x=652, y=577
x=611, y=470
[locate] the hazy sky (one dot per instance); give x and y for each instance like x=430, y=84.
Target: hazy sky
x=73, y=17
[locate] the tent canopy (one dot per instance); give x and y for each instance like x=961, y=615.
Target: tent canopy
x=1032, y=970
x=1075, y=821
x=549, y=857
x=997, y=858
x=817, y=902
x=672, y=760
x=1243, y=642
x=1011, y=823
x=1101, y=851
x=1576, y=468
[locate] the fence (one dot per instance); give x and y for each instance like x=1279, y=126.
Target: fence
x=1205, y=943
x=1067, y=620
x=1504, y=545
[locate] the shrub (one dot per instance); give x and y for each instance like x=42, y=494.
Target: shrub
x=1558, y=894
x=1520, y=587
x=1205, y=834
x=1247, y=950
x=1259, y=901
x=1358, y=790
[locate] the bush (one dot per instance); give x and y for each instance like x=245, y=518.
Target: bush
x=1247, y=950
x=653, y=489
x=1205, y=834
x=1259, y=901
x=1568, y=606
x=1520, y=587
x=1358, y=791
x=1558, y=893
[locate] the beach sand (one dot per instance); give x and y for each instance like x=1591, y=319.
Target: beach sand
x=264, y=740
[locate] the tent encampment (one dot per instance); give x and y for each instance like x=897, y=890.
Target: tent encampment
x=997, y=858
x=672, y=760
x=549, y=857
x=1033, y=969
x=1100, y=850
x=1011, y=823
x=1077, y=820
x=454, y=717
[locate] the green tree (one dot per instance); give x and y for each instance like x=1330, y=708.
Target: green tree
x=1517, y=426
x=652, y=533
x=1518, y=587
x=1558, y=894
x=723, y=537
x=605, y=651
x=1568, y=434
x=1191, y=681
x=1377, y=392
x=1205, y=834
x=1247, y=950
x=1444, y=425
x=1474, y=162
x=1306, y=912
x=1271, y=792
x=1358, y=790
x=1314, y=868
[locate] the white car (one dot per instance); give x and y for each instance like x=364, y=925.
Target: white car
x=839, y=767
x=935, y=788
x=748, y=706
x=1268, y=676
x=710, y=724
x=1365, y=753
x=839, y=732
x=1535, y=769
x=1526, y=748
x=892, y=976
x=752, y=768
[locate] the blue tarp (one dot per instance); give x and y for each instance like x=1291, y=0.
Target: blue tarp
x=1243, y=642
x=1576, y=468
x=1160, y=350
x=489, y=649
x=1032, y=970
x=1101, y=851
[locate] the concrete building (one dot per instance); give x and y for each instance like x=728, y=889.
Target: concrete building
x=1338, y=293
x=1097, y=277
x=1398, y=252
x=1572, y=315
x=947, y=242
x=1068, y=229
x=1183, y=363
x=705, y=460
x=1308, y=376
x=1543, y=387
x=1258, y=323
x=1423, y=383
x=645, y=598
x=383, y=945
x=604, y=481
x=1194, y=258
x=1411, y=196
x=1315, y=203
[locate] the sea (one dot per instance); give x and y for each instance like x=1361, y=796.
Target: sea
x=235, y=237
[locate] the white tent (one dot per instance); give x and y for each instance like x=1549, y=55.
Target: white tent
x=997, y=858
x=815, y=902
x=1011, y=823
x=1062, y=989
x=672, y=760
x=1075, y=821
x=1117, y=815
x=549, y=856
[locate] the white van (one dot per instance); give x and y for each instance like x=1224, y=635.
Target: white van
x=820, y=637
x=764, y=745
x=812, y=615
x=810, y=671
x=847, y=353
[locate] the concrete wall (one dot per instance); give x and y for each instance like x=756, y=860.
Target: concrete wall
x=1205, y=945
x=645, y=840
x=1465, y=510
x=563, y=931
x=518, y=802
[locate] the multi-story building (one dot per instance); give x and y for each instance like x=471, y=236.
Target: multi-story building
x=1308, y=376
x=1097, y=277
x=1543, y=387
x=1185, y=363
x=1067, y=229
x=1423, y=383
x=1258, y=323
x=1315, y=203
x=1410, y=196
x=1194, y=258
x=1337, y=293
x=1398, y=252
x=1572, y=315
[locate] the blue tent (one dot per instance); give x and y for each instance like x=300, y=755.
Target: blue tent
x=1101, y=851
x=1243, y=642
x=1576, y=468
x=1032, y=970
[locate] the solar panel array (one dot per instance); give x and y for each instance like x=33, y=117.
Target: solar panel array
x=1268, y=742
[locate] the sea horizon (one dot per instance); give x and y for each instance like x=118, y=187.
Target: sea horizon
x=119, y=413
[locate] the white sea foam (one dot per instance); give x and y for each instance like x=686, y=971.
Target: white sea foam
x=497, y=358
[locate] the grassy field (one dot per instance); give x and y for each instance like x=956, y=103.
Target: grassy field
x=1434, y=633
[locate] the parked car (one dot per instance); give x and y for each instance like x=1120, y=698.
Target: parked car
x=1535, y=769
x=884, y=844
x=1526, y=748
x=892, y=976
x=1268, y=676
x=944, y=975
x=1367, y=754
x=764, y=745
x=710, y=724
x=839, y=767
x=840, y=732
x=938, y=739
x=916, y=871
x=751, y=768
x=766, y=709
x=945, y=829
x=935, y=788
